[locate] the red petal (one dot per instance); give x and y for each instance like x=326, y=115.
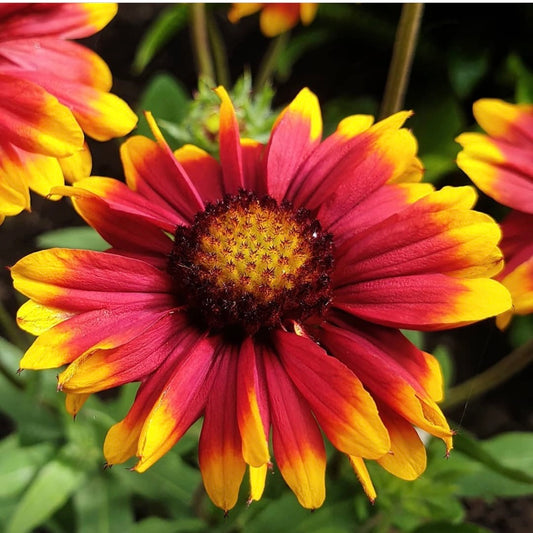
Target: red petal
x=220, y=448
x=296, y=438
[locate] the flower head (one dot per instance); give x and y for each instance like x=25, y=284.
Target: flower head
x=52, y=90
x=265, y=292
x=500, y=165
x=275, y=17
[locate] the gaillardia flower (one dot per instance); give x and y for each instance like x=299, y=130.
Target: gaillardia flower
x=275, y=18
x=500, y=165
x=265, y=292
x=51, y=91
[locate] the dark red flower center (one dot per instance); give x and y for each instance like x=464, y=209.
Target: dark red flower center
x=251, y=263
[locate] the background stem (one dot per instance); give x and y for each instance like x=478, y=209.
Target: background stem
x=270, y=60
x=201, y=43
x=492, y=377
x=402, y=59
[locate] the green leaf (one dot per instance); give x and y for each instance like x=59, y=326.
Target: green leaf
x=35, y=420
x=447, y=527
x=524, y=79
x=170, y=480
x=166, y=99
x=18, y=465
x=83, y=237
x=521, y=329
x=50, y=490
x=158, y=525
x=509, y=454
x=166, y=25
x=10, y=356
x=496, y=469
x=435, y=124
x=102, y=506
x=466, y=70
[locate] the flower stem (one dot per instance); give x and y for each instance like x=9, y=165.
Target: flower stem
x=201, y=42
x=490, y=378
x=270, y=60
x=219, y=52
x=402, y=59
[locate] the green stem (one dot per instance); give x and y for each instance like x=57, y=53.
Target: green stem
x=219, y=52
x=270, y=60
x=492, y=377
x=402, y=59
x=201, y=42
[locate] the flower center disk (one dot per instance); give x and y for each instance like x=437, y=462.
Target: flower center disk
x=251, y=263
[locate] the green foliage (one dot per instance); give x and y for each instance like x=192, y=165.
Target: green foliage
x=523, y=77
x=185, y=121
x=171, y=20
x=167, y=100
x=83, y=237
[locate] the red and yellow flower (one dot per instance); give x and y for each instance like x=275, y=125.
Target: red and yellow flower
x=275, y=18
x=51, y=91
x=265, y=292
x=500, y=165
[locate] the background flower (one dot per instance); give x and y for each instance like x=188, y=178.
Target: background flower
x=500, y=165
x=275, y=18
x=266, y=293
x=52, y=90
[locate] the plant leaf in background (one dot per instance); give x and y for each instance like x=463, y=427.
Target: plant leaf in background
x=166, y=98
x=499, y=467
x=77, y=237
x=170, y=21
x=53, y=486
x=524, y=79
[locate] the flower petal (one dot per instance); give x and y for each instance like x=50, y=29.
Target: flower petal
x=42, y=172
x=344, y=220
x=512, y=122
x=257, y=482
x=204, y=170
x=74, y=403
x=220, y=449
x=79, y=280
x=155, y=173
x=500, y=169
x=295, y=134
x=354, y=161
x=181, y=400
x=427, y=302
x=343, y=408
x=113, y=210
x=77, y=166
x=35, y=121
x=362, y=474
x=367, y=352
x=50, y=57
x=423, y=238
x=14, y=193
x=296, y=438
x=407, y=459
x=106, y=367
x=103, y=329
x=252, y=406
x=278, y=18
x=66, y=21
x=230, y=145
